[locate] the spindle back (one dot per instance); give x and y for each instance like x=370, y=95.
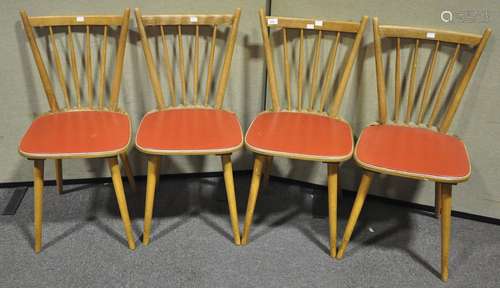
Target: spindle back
x=318, y=27
x=89, y=26
x=441, y=115
x=178, y=24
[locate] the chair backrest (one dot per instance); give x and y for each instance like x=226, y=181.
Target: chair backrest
x=460, y=42
x=90, y=26
x=193, y=24
x=318, y=27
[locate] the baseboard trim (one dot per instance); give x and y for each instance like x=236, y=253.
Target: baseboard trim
x=370, y=197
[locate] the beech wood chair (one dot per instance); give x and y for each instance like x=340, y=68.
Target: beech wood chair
x=196, y=127
x=307, y=131
x=80, y=129
x=417, y=145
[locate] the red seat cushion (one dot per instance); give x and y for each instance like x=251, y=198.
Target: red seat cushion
x=189, y=131
x=412, y=151
x=76, y=133
x=300, y=135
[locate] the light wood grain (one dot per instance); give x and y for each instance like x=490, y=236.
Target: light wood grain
x=252, y=196
x=269, y=62
x=443, y=84
x=462, y=84
x=332, y=206
x=329, y=71
x=38, y=187
x=153, y=74
x=346, y=74
x=231, y=198
x=120, y=197
x=210, y=66
x=59, y=68
x=152, y=179
x=379, y=66
x=413, y=81
x=119, y=59
x=356, y=210
x=42, y=70
x=228, y=57
x=445, y=229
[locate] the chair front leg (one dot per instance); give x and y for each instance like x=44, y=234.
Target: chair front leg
x=128, y=171
x=59, y=178
x=332, y=206
x=38, y=187
x=120, y=196
x=153, y=167
x=437, y=199
x=364, y=186
x=252, y=197
x=231, y=199
x=445, y=228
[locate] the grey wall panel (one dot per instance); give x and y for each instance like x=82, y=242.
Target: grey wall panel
x=477, y=121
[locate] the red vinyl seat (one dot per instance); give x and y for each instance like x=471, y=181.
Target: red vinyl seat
x=77, y=133
x=301, y=136
x=413, y=151
x=189, y=131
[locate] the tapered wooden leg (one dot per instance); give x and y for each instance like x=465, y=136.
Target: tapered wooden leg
x=59, y=178
x=231, y=199
x=153, y=167
x=332, y=206
x=128, y=171
x=38, y=187
x=445, y=228
x=364, y=186
x=120, y=197
x=266, y=171
x=252, y=197
x=437, y=199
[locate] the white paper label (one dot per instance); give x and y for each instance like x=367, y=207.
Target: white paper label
x=193, y=19
x=272, y=21
x=310, y=26
x=318, y=22
x=431, y=35
x=80, y=19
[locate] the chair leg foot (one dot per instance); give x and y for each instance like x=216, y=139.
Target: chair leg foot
x=364, y=186
x=445, y=228
x=231, y=199
x=153, y=167
x=252, y=197
x=38, y=187
x=332, y=206
x=122, y=202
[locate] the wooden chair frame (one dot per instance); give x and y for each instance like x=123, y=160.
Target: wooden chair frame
x=196, y=21
x=443, y=186
x=90, y=22
x=263, y=159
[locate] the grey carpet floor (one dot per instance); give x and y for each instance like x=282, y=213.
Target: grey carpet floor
x=84, y=243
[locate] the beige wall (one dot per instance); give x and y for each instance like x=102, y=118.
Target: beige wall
x=477, y=122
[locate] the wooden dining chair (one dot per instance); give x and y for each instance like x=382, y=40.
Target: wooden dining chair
x=83, y=128
x=311, y=130
x=417, y=144
x=198, y=125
